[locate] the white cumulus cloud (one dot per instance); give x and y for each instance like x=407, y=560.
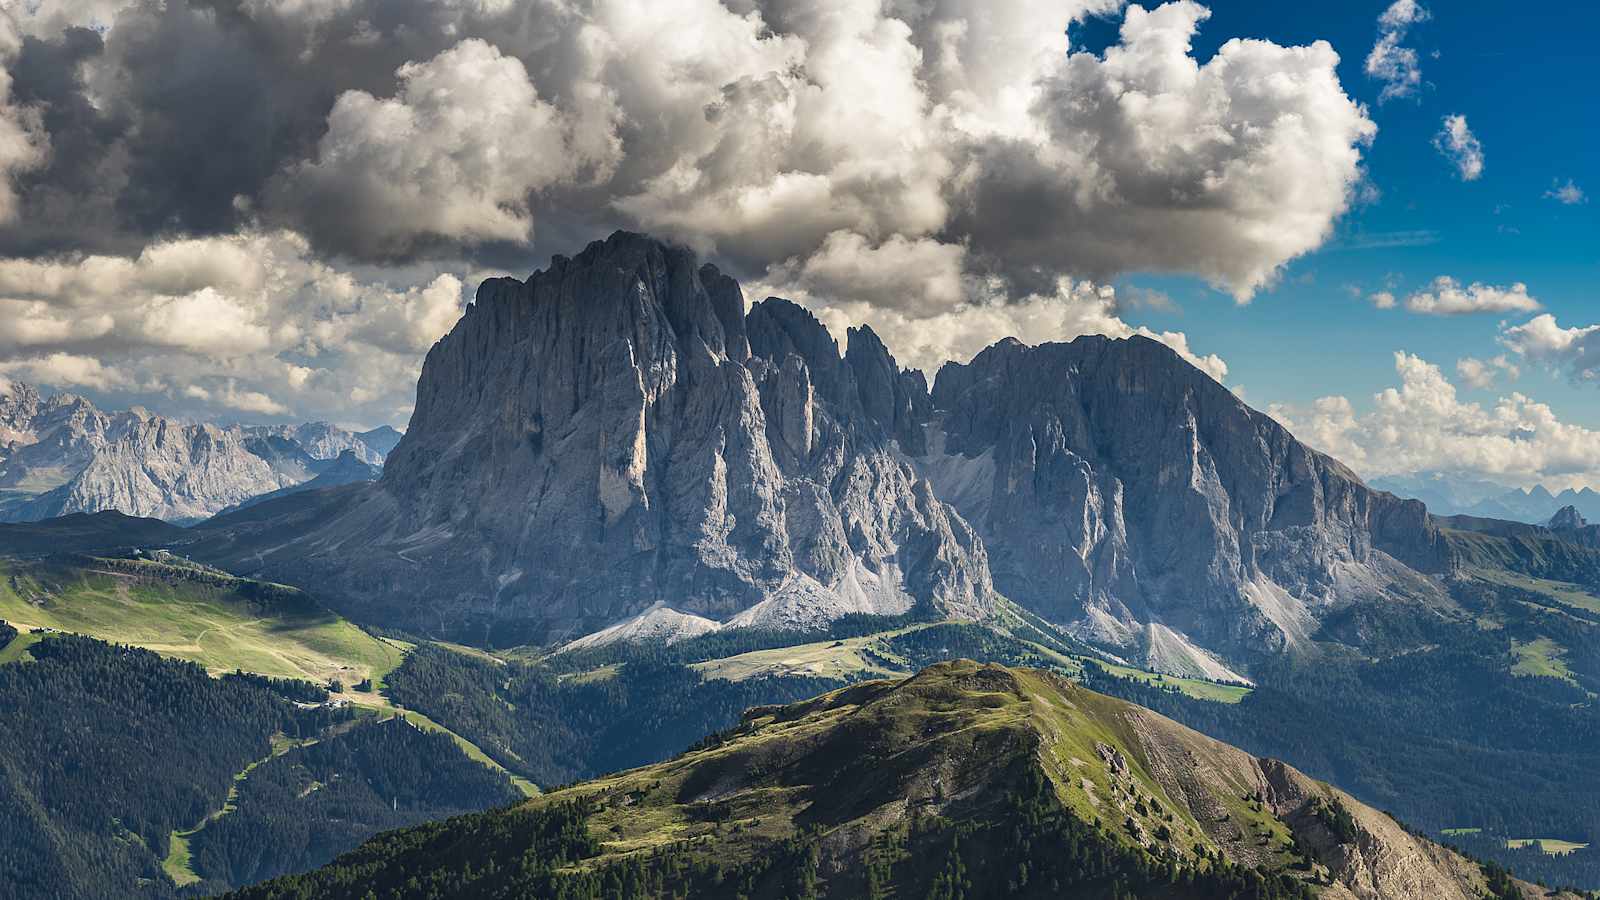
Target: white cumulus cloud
x=455, y=155
x=1392, y=64
x=1422, y=425
x=1146, y=159
x=270, y=331
x=1575, y=351
x=1461, y=147
x=1448, y=297
x=1568, y=194
x=912, y=161
x=1482, y=373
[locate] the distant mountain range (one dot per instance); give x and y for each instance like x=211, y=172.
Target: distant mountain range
x=1456, y=495
x=61, y=454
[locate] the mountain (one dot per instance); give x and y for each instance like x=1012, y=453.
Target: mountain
x=616, y=446
x=323, y=441
x=381, y=439
x=159, y=468
x=61, y=455
x=348, y=468
x=965, y=780
x=1567, y=518
x=44, y=441
x=1445, y=493
x=616, y=439
x=1125, y=493
x=1538, y=504
x=86, y=533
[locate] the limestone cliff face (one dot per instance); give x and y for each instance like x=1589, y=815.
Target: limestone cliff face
x=44, y=441
x=611, y=437
x=1121, y=490
x=616, y=445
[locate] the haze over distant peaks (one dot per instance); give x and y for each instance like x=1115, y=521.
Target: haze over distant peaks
x=1452, y=495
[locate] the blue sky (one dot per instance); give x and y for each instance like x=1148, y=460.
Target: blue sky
x=1524, y=76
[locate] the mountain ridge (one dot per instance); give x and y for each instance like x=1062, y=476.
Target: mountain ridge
x=893, y=785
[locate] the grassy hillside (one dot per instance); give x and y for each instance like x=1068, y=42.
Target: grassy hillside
x=193, y=613
x=557, y=717
x=125, y=774
x=964, y=781
x=190, y=612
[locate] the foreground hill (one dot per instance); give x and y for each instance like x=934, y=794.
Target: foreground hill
x=963, y=781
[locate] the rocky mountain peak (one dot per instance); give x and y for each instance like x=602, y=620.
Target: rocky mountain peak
x=1120, y=489
x=779, y=328
x=614, y=445
x=1568, y=518
x=615, y=438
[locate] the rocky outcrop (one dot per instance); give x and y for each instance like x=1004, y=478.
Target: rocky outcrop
x=1567, y=518
x=1570, y=527
x=614, y=436
x=382, y=439
x=1123, y=492
x=44, y=441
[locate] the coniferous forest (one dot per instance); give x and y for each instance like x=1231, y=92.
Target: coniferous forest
x=106, y=752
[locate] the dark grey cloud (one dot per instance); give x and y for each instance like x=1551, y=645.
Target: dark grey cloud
x=70, y=201
x=164, y=122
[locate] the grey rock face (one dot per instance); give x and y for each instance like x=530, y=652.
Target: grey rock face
x=1567, y=517
x=1570, y=526
x=612, y=436
x=614, y=447
x=381, y=439
x=1122, y=491
x=48, y=440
